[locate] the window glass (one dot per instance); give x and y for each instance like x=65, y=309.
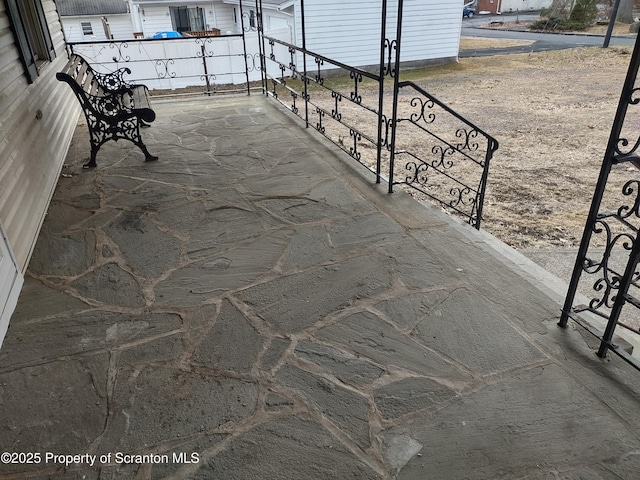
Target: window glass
x=187, y=19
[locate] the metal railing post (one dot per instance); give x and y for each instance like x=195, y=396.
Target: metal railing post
x=383, y=43
x=396, y=79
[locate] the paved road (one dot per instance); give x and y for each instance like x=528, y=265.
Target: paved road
x=475, y=27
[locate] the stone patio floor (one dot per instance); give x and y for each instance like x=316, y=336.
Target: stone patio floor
x=252, y=306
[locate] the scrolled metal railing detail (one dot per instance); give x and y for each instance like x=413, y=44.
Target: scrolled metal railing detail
x=462, y=196
x=292, y=62
x=319, y=126
x=120, y=57
x=418, y=173
x=250, y=21
x=422, y=103
x=390, y=47
x=318, y=76
x=470, y=137
x=353, y=151
x=629, y=189
x=203, y=52
x=294, y=107
x=253, y=62
x=450, y=163
x=335, y=114
x=357, y=78
x=164, y=63
x=443, y=154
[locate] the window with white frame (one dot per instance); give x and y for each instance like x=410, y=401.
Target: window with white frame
x=187, y=19
x=31, y=32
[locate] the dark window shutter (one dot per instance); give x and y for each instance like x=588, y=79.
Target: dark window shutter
x=45, y=30
x=26, y=55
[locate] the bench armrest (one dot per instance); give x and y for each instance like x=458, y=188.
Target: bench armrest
x=114, y=81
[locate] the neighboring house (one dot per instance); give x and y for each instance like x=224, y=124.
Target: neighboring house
x=506, y=6
x=344, y=30
x=349, y=30
x=219, y=16
x=38, y=116
x=87, y=20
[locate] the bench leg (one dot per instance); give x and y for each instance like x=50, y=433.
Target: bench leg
x=147, y=156
x=92, y=161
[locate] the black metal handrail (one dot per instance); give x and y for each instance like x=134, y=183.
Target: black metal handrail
x=612, y=276
x=442, y=148
x=347, y=129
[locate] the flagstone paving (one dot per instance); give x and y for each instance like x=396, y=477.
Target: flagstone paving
x=252, y=306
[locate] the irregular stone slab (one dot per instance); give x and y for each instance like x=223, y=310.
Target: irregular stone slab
x=73, y=415
x=399, y=450
x=232, y=343
x=300, y=210
x=519, y=299
x=219, y=229
x=34, y=295
x=64, y=217
x=368, y=336
x=196, y=283
x=165, y=349
x=80, y=333
x=146, y=248
x=163, y=404
x=297, y=301
x=419, y=269
x=344, y=366
x=111, y=285
x=342, y=196
x=292, y=448
x=186, y=448
x=182, y=218
x=466, y=328
x=410, y=395
x=408, y=310
x=149, y=198
x=63, y=255
x=309, y=246
x=533, y=421
x=363, y=231
x=272, y=355
x=276, y=403
x=344, y=408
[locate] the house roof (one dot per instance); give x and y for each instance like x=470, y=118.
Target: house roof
x=68, y=8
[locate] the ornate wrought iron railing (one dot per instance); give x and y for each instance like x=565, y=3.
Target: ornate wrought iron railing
x=440, y=154
x=422, y=143
x=607, y=260
x=175, y=63
x=329, y=96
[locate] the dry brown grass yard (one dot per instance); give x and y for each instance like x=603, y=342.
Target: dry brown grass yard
x=552, y=113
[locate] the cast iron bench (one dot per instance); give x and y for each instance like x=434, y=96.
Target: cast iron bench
x=114, y=108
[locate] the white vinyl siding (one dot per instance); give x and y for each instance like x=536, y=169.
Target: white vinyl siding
x=37, y=121
x=349, y=31
x=121, y=27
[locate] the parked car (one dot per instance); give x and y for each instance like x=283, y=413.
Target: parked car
x=468, y=12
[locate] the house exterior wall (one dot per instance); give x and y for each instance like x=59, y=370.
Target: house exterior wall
x=155, y=17
x=505, y=6
x=350, y=32
x=121, y=27
x=37, y=121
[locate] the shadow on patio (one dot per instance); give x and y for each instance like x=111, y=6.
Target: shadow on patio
x=252, y=307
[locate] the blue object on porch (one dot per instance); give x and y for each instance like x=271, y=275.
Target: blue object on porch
x=169, y=34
